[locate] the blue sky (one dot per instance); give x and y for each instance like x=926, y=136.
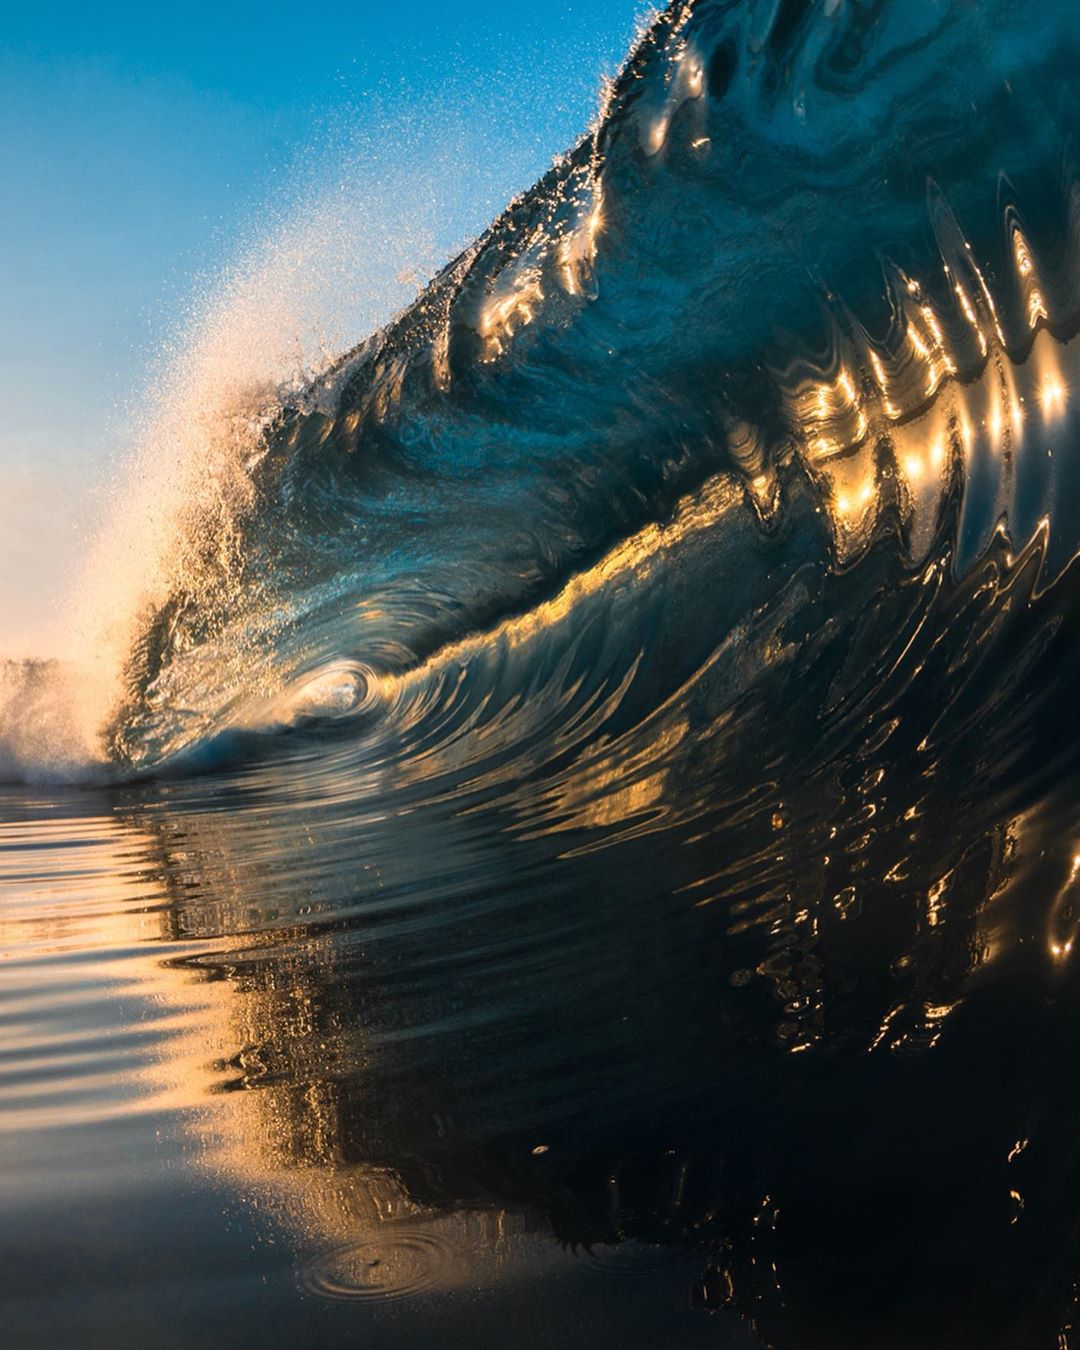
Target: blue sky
x=145, y=148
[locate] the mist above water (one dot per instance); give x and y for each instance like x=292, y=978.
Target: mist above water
x=365, y=221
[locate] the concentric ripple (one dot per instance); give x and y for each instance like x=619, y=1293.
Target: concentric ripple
x=402, y=1262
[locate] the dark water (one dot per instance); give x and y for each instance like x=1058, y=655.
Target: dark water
x=591, y=854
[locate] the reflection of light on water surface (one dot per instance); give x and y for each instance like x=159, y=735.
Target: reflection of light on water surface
x=679, y=774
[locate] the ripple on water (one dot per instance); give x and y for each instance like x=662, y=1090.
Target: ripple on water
x=399, y=1263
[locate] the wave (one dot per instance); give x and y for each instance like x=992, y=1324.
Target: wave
x=620, y=718
x=787, y=299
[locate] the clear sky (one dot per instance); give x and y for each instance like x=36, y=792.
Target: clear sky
x=145, y=148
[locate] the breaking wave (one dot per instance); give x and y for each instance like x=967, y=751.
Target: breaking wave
x=639, y=684
x=787, y=310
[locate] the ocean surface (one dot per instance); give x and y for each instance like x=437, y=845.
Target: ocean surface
x=562, y=829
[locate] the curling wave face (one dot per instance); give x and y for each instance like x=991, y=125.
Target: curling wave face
x=809, y=284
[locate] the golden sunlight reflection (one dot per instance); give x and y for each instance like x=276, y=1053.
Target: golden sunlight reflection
x=104, y=897
x=509, y=310
x=168, y=1038
x=1052, y=397
x=577, y=248
x=626, y=564
x=1065, y=916
x=923, y=419
x=1031, y=289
